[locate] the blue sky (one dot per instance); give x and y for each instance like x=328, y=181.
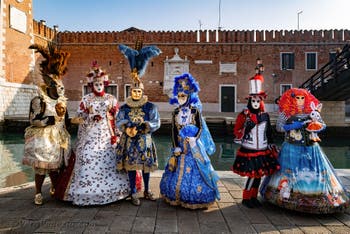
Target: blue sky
x=183, y=15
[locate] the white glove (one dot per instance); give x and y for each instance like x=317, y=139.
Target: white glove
x=192, y=141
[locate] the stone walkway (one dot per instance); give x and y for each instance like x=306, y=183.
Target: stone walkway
x=18, y=214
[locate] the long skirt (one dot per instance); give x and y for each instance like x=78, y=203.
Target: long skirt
x=306, y=182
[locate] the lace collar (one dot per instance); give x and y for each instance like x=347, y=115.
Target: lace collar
x=132, y=103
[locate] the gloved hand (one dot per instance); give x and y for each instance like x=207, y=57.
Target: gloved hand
x=191, y=140
x=294, y=125
x=249, y=125
x=114, y=140
x=176, y=151
x=274, y=150
x=143, y=127
x=97, y=118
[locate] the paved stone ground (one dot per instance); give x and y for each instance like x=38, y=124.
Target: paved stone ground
x=18, y=214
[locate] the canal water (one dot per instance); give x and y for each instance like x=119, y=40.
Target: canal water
x=12, y=172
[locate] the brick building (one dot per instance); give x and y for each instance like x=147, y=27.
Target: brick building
x=222, y=61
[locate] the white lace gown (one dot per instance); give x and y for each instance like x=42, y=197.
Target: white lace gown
x=95, y=179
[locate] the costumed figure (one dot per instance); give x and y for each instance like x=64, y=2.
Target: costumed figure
x=189, y=178
x=91, y=178
x=137, y=120
x=257, y=154
x=306, y=181
x=47, y=142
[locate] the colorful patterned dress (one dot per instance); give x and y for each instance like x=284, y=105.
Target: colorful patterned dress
x=189, y=179
x=95, y=179
x=306, y=181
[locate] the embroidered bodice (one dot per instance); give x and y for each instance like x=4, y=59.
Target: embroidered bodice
x=184, y=117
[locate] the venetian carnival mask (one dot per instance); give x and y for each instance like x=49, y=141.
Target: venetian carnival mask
x=182, y=98
x=300, y=100
x=255, y=101
x=98, y=86
x=55, y=89
x=136, y=94
x=60, y=89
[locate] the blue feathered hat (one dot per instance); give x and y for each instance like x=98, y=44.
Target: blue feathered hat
x=187, y=84
x=138, y=59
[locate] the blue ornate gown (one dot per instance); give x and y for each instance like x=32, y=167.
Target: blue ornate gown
x=189, y=179
x=138, y=152
x=306, y=181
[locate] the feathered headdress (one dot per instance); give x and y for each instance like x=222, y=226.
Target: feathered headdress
x=54, y=65
x=187, y=84
x=96, y=73
x=138, y=59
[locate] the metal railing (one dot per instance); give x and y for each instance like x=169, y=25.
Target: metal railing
x=329, y=71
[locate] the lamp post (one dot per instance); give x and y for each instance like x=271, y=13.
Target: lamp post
x=298, y=16
x=55, y=29
x=259, y=69
x=274, y=78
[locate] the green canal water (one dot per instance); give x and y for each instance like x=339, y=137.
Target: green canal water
x=12, y=172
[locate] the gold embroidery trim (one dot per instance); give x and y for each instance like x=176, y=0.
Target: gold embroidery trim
x=178, y=184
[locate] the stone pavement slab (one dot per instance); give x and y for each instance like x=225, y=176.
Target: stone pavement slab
x=18, y=214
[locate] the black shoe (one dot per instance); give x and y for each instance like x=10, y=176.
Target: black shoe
x=247, y=203
x=255, y=202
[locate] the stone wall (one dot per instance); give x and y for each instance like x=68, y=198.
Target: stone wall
x=15, y=99
x=333, y=113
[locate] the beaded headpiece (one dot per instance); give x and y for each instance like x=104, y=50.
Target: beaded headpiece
x=96, y=74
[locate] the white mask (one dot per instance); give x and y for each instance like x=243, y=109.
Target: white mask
x=99, y=86
x=255, y=101
x=60, y=89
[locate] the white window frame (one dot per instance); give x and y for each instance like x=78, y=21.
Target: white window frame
x=306, y=61
x=283, y=85
x=126, y=91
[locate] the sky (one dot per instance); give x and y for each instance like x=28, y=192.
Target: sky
x=191, y=15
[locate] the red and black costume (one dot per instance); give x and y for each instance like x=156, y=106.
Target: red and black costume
x=256, y=157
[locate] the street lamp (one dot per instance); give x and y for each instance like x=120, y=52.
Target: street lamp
x=274, y=78
x=259, y=69
x=298, y=14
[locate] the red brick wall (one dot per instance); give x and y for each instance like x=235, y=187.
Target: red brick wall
x=16, y=55
x=242, y=47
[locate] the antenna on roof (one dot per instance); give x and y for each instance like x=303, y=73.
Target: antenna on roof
x=200, y=24
x=219, y=26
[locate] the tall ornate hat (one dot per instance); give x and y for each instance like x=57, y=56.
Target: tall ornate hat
x=138, y=59
x=96, y=74
x=256, y=82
